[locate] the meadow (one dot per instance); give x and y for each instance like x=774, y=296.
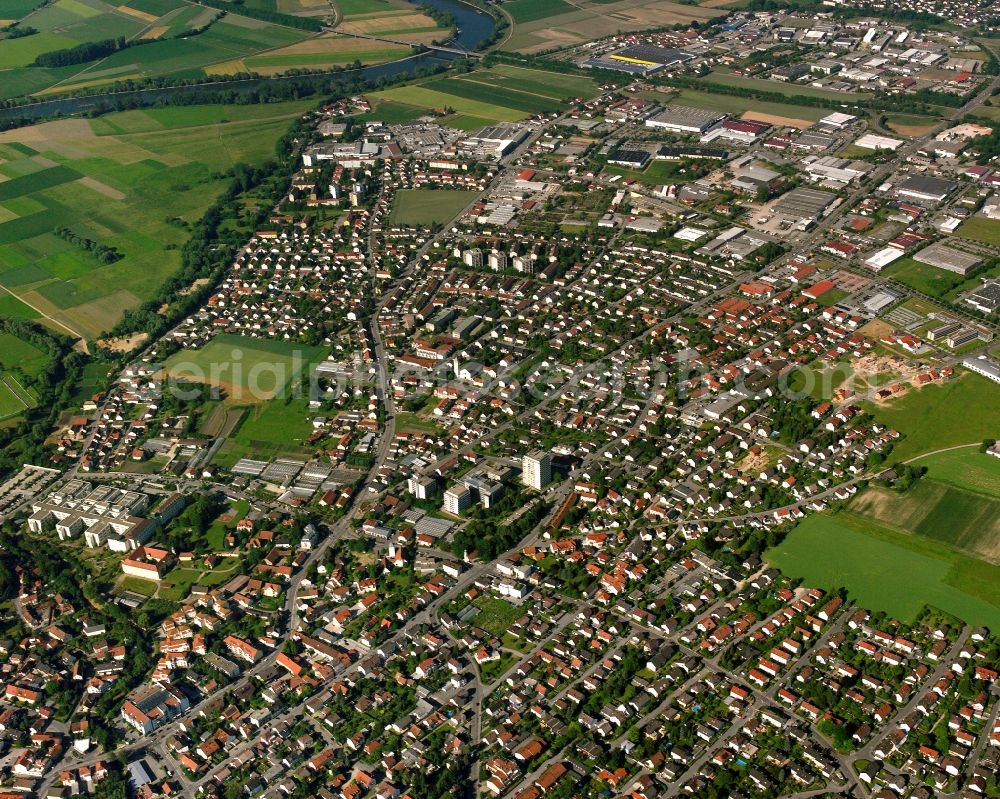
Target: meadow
x=132, y=180
x=248, y=370
x=428, y=206
x=888, y=570
x=787, y=89
x=962, y=411
x=979, y=228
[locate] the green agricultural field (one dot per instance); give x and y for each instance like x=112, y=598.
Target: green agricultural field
x=15, y=9
x=122, y=180
x=21, y=52
x=966, y=520
x=376, y=54
x=469, y=87
x=530, y=10
x=16, y=353
x=67, y=23
x=549, y=84
x=350, y=8
x=248, y=370
x=498, y=94
x=12, y=308
x=10, y=403
x=418, y=96
x=966, y=468
x=428, y=206
x=962, y=411
x=981, y=229
x=888, y=570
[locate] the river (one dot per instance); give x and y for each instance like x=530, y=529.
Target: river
x=474, y=26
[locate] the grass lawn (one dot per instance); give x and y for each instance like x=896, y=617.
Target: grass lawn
x=495, y=615
x=137, y=585
x=274, y=429
x=655, y=174
x=428, y=206
x=888, y=570
x=246, y=369
x=927, y=279
x=962, y=411
x=410, y=422
x=979, y=228
x=819, y=380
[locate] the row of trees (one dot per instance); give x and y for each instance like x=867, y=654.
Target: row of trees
x=82, y=53
x=102, y=252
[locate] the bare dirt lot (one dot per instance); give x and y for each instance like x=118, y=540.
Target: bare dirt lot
x=778, y=121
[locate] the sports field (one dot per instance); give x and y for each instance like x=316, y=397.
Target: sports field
x=888, y=570
x=962, y=411
x=248, y=370
x=428, y=206
x=123, y=180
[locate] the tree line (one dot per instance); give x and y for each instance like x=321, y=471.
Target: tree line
x=102, y=252
x=82, y=53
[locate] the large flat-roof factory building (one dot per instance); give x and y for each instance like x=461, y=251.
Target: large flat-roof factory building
x=804, y=204
x=639, y=59
x=925, y=188
x=684, y=119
